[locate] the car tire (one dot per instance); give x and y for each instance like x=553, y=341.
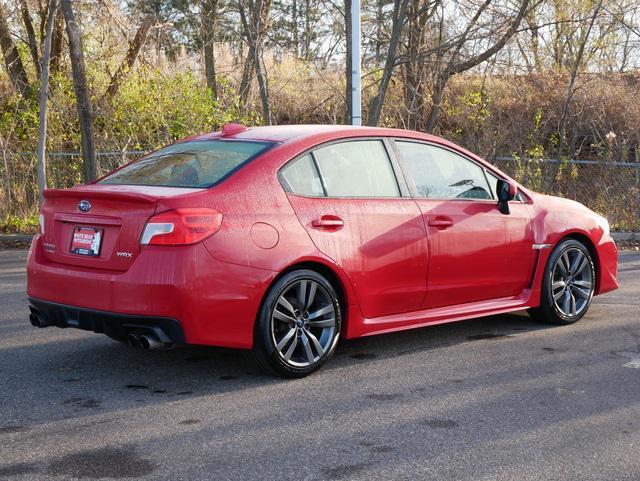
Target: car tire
x=298, y=325
x=567, y=286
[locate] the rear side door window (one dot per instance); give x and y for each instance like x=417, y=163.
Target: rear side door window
x=301, y=177
x=438, y=173
x=357, y=168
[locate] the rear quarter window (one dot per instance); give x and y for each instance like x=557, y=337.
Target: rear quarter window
x=196, y=164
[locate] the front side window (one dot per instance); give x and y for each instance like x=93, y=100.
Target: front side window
x=197, y=164
x=441, y=174
x=359, y=168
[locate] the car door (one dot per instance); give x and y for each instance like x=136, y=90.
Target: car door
x=348, y=198
x=477, y=253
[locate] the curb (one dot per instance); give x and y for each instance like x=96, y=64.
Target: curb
x=15, y=238
x=625, y=236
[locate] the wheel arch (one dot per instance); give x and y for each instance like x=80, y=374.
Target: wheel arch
x=332, y=273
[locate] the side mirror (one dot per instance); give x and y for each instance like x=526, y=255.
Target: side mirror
x=506, y=191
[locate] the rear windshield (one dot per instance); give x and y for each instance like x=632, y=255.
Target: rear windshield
x=194, y=164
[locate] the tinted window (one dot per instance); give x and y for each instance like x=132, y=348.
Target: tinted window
x=302, y=177
x=441, y=174
x=188, y=164
x=357, y=169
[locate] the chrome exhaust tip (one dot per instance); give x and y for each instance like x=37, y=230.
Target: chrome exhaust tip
x=150, y=342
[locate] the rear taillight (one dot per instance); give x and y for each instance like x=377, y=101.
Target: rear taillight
x=181, y=227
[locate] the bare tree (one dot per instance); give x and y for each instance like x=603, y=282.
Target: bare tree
x=400, y=9
x=91, y=168
x=254, y=30
x=575, y=68
x=43, y=97
x=12, y=59
x=254, y=33
x=31, y=35
x=57, y=41
x=209, y=12
x=135, y=46
x=417, y=49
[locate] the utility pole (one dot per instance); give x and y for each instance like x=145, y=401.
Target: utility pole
x=356, y=101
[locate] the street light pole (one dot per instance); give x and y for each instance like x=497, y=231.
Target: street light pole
x=356, y=108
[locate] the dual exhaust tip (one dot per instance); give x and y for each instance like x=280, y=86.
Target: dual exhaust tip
x=147, y=342
x=142, y=341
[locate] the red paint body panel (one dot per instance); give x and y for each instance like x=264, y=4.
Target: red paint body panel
x=480, y=256
x=399, y=262
x=382, y=248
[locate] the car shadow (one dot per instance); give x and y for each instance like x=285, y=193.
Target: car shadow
x=86, y=373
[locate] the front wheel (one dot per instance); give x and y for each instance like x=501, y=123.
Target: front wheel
x=568, y=284
x=298, y=324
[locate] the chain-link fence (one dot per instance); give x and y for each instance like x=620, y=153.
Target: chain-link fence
x=608, y=187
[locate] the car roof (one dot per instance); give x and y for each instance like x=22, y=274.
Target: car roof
x=289, y=133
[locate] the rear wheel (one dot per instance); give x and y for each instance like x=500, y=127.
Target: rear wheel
x=298, y=324
x=568, y=284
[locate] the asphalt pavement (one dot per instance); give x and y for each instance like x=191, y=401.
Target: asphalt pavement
x=497, y=398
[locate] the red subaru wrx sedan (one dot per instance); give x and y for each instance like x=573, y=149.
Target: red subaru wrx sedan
x=282, y=239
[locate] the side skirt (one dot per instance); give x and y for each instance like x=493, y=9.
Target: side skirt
x=359, y=326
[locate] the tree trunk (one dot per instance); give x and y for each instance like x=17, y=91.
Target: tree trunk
x=262, y=86
x=437, y=96
x=91, y=167
x=415, y=68
x=247, y=77
x=307, y=31
x=209, y=27
x=43, y=97
x=376, y=103
x=31, y=35
x=562, y=130
x=348, y=65
x=134, y=50
x=56, y=43
x=255, y=34
x=13, y=62
x=454, y=66
x=294, y=28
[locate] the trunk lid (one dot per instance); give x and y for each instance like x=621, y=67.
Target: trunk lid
x=118, y=213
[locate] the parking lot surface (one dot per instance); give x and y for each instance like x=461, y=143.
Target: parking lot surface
x=498, y=398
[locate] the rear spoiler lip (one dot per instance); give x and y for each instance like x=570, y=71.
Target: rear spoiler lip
x=100, y=194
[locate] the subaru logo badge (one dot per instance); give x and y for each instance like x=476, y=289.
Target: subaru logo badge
x=84, y=206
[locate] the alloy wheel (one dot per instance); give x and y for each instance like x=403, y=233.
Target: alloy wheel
x=572, y=282
x=303, y=323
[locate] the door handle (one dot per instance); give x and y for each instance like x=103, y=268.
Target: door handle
x=328, y=222
x=440, y=222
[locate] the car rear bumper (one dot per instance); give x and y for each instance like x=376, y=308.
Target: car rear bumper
x=214, y=302
x=116, y=325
